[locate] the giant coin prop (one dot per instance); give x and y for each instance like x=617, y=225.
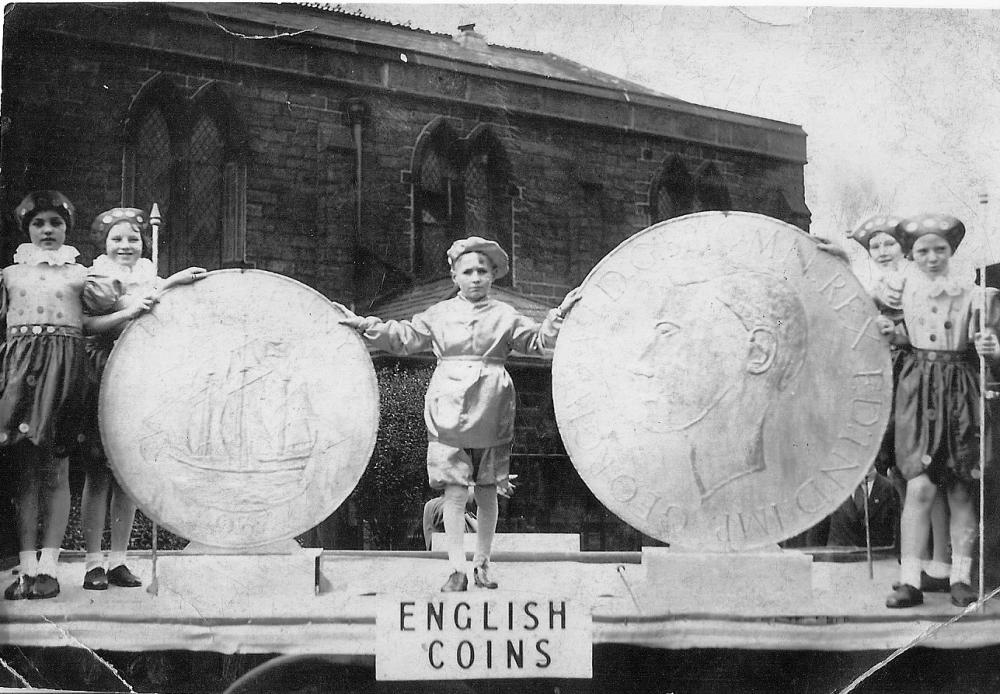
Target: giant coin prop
x=239, y=412
x=722, y=384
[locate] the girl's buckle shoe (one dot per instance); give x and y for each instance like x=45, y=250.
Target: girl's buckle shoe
x=457, y=582
x=19, y=589
x=95, y=579
x=481, y=575
x=44, y=586
x=122, y=577
x=905, y=596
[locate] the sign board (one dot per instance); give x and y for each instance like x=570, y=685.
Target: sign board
x=481, y=635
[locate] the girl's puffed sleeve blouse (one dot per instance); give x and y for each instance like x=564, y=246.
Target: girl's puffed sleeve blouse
x=107, y=285
x=470, y=399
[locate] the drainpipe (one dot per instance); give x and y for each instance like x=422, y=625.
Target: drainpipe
x=356, y=115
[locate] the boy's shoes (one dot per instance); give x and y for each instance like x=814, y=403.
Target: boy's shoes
x=19, y=589
x=95, y=579
x=44, y=586
x=481, y=575
x=929, y=584
x=904, y=596
x=122, y=577
x=457, y=582
x=962, y=595
x=933, y=585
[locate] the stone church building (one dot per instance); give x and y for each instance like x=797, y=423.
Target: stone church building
x=348, y=153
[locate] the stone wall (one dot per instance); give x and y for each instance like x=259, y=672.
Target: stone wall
x=581, y=177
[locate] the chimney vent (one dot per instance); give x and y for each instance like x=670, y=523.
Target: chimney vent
x=469, y=38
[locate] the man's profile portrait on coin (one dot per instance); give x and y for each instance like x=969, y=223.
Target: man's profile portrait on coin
x=722, y=383
x=721, y=346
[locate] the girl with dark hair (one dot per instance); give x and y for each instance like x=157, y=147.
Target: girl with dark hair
x=42, y=379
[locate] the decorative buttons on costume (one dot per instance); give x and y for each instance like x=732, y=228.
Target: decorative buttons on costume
x=23, y=427
x=36, y=329
x=40, y=309
x=31, y=379
x=931, y=355
x=933, y=309
x=81, y=438
x=975, y=474
x=931, y=415
x=925, y=459
x=24, y=329
x=50, y=329
x=932, y=338
x=947, y=324
x=3, y=437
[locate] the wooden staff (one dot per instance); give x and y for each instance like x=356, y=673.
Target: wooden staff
x=154, y=222
x=984, y=199
x=868, y=531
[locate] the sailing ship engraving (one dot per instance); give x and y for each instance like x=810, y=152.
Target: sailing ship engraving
x=250, y=433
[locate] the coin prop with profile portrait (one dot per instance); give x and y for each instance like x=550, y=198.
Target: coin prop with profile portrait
x=722, y=384
x=239, y=412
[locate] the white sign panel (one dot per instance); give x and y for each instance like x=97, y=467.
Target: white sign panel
x=481, y=635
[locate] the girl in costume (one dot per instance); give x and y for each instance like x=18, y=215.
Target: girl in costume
x=937, y=401
x=121, y=285
x=42, y=380
x=469, y=405
x=882, y=239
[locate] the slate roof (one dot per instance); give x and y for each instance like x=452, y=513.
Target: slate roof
x=323, y=19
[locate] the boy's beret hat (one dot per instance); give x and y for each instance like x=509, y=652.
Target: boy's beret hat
x=491, y=249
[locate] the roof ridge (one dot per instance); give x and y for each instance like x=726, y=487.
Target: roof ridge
x=609, y=80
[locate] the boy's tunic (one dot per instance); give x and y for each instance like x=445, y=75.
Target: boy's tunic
x=470, y=399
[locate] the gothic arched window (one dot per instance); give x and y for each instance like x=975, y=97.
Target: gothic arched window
x=711, y=189
x=436, y=196
x=671, y=193
x=189, y=157
x=486, y=198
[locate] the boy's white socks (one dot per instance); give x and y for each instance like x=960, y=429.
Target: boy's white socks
x=909, y=571
x=29, y=563
x=937, y=569
x=93, y=560
x=47, y=562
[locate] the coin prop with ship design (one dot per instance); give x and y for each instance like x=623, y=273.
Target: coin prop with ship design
x=239, y=412
x=722, y=384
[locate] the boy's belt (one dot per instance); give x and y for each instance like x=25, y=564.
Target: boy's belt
x=462, y=357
